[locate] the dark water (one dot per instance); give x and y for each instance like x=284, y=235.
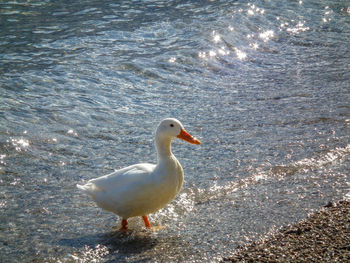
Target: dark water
x=265, y=85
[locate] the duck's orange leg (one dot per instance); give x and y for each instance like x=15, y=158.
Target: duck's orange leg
x=145, y=219
x=124, y=225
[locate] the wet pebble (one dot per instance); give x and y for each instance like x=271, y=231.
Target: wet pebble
x=322, y=237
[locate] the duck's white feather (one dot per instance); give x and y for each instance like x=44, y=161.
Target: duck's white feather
x=142, y=188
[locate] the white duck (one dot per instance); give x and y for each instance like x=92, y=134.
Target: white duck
x=144, y=188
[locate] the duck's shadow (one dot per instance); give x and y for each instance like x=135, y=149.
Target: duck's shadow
x=117, y=242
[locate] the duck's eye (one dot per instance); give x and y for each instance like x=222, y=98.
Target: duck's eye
x=171, y=125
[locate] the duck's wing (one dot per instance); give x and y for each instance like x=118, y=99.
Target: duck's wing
x=118, y=179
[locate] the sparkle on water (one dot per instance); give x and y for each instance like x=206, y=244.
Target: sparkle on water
x=265, y=87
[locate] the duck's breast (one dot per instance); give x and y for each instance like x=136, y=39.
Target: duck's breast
x=169, y=176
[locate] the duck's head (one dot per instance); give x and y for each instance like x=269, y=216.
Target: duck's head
x=171, y=128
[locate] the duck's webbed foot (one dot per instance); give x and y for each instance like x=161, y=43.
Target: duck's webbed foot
x=124, y=225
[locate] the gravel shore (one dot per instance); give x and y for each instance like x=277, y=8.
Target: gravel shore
x=322, y=237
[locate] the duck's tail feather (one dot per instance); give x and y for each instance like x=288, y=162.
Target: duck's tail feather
x=83, y=188
x=86, y=188
x=89, y=188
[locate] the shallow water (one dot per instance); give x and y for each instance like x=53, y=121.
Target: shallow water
x=265, y=86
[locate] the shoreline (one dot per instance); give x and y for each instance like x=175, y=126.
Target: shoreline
x=322, y=237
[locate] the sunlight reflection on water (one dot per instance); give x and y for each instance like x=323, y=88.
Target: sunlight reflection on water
x=264, y=86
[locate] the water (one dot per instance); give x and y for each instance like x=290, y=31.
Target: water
x=264, y=85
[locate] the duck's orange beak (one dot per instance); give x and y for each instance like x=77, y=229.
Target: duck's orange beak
x=184, y=135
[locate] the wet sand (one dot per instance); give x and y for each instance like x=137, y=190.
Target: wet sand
x=322, y=237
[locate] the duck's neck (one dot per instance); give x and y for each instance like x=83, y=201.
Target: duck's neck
x=163, y=146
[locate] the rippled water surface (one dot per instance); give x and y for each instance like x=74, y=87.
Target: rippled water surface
x=265, y=85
